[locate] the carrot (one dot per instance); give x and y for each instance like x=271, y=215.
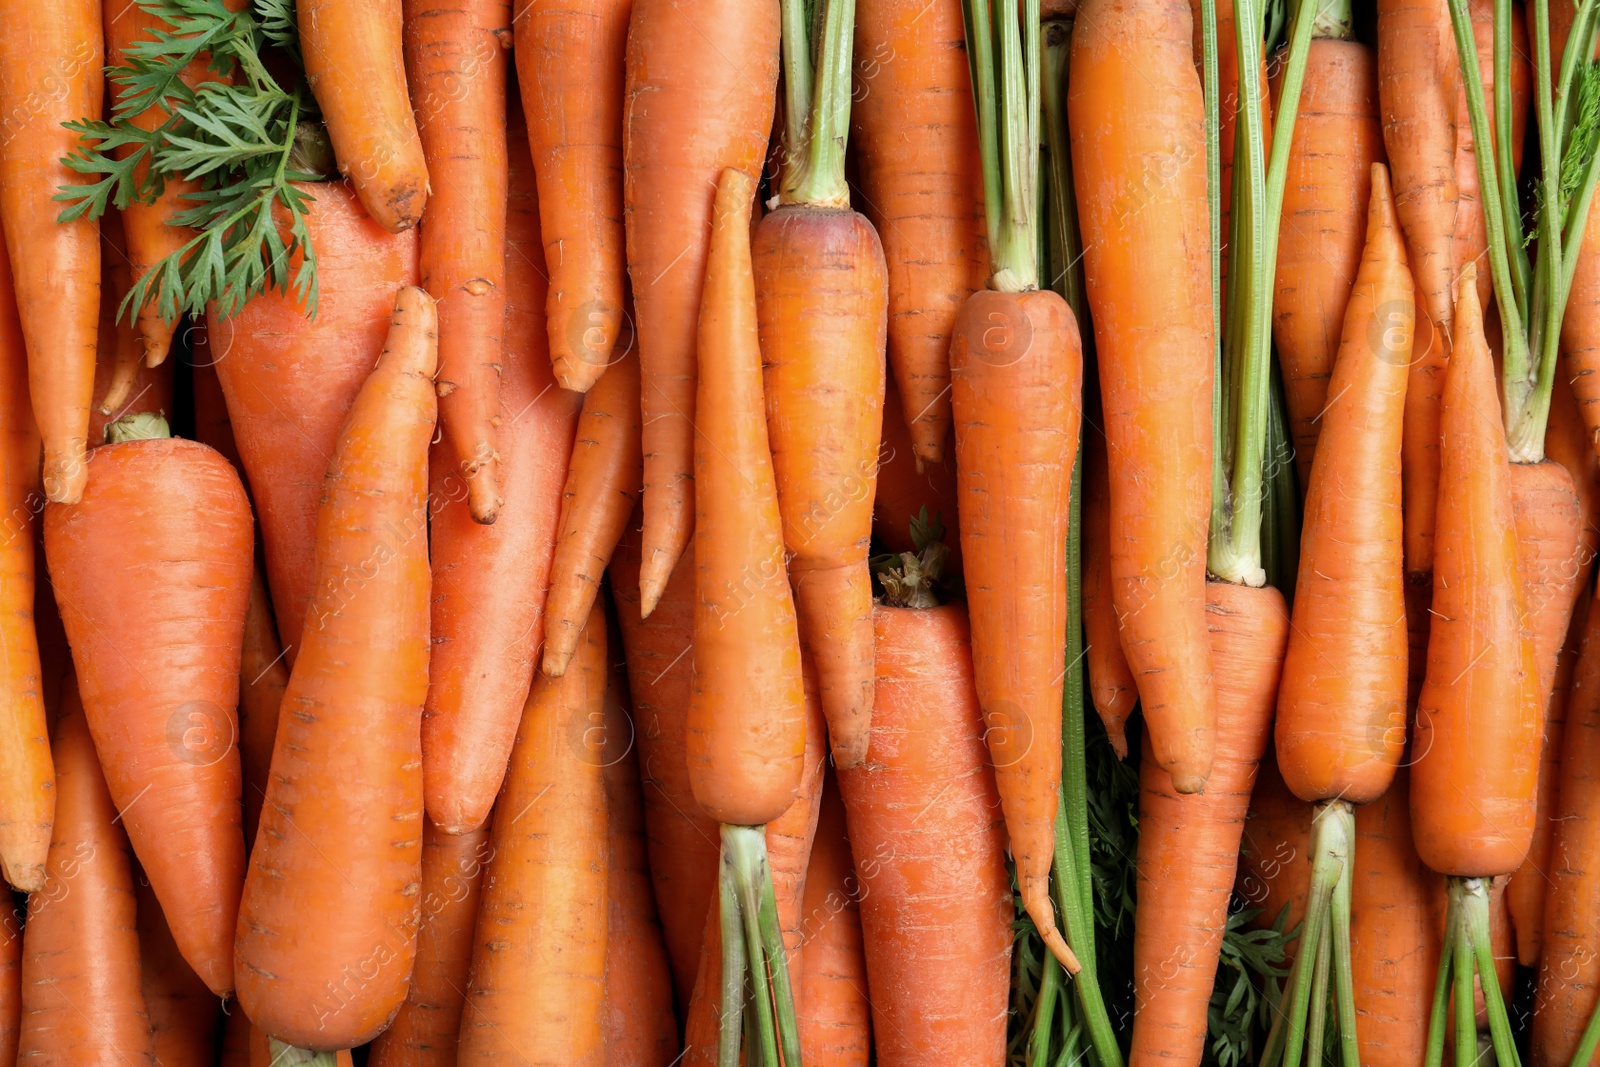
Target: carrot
x=10, y=982
x=353, y=61
x=603, y=485
x=835, y=1013
x=341, y=834
x=1337, y=138
x=1394, y=938
x=212, y=424
x=539, y=951
x=682, y=839
x=456, y=64
x=262, y=1053
x=184, y=1020
x=935, y=898
x=904, y=490
x=157, y=654
x=1111, y=682
x=921, y=185
x=1189, y=844
x=569, y=64
x=147, y=390
x=27, y=795
x=1134, y=97
x=1580, y=329
x=235, y=1050
x=1275, y=863
x=81, y=1001
x=489, y=582
x=636, y=1021
x=118, y=342
x=263, y=676
x=424, y=1032
x=290, y=380
x=710, y=67
x=50, y=72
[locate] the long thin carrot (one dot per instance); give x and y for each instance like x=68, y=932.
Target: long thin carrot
x=119, y=342
x=27, y=796
x=341, y=833
x=489, y=582
x=456, y=68
x=263, y=677
x=917, y=147
x=570, y=66
x=1134, y=96
x=81, y=1001
x=157, y=657
x=701, y=80
x=184, y=1020
x=835, y=1010
x=539, y=951
x=353, y=60
x=603, y=484
x=50, y=73
x=290, y=380
x=1111, y=683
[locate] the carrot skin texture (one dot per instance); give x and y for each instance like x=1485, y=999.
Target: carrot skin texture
x=184, y=1021
x=1337, y=138
x=10, y=983
x=263, y=676
x=50, y=73
x=1016, y=407
x=835, y=1020
x=1275, y=860
x=354, y=64
x=936, y=909
x=1146, y=261
x=747, y=737
x=821, y=289
x=570, y=62
x=27, y=790
x=905, y=486
x=424, y=1032
x=81, y=1002
x=1341, y=721
x=341, y=828
x=1111, y=683
x=1580, y=330
x=604, y=480
x=1189, y=844
x=1472, y=794
x=701, y=86
x=456, y=68
x=916, y=142
x=290, y=380
x=157, y=658
x=539, y=951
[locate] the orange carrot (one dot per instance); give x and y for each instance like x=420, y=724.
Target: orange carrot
x=156, y=646
x=341, y=828
x=539, y=950
x=10, y=982
x=903, y=489
x=263, y=676
x=570, y=65
x=1275, y=863
x=119, y=342
x=212, y=424
x=835, y=1013
x=50, y=73
x=184, y=1019
x=1580, y=329
x=352, y=51
x=1111, y=682
x=290, y=381
x=456, y=68
x=701, y=83
x=1145, y=261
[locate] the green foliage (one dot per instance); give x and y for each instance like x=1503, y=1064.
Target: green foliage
x=1582, y=142
x=1249, y=983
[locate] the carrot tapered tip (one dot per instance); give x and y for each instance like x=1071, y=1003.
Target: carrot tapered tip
x=1036, y=899
x=66, y=472
x=157, y=336
x=24, y=877
x=483, y=490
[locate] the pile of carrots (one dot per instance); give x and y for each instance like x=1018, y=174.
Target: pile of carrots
x=915, y=532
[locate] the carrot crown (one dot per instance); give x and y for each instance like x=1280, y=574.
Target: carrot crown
x=816, y=101
x=1003, y=51
x=140, y=426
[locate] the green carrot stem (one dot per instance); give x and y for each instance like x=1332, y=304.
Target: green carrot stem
x=1503, y=158
x=1343, y=968
x=1476, y=923
x=286, y=1055
x=1461, y=965
x=1316, y=1028
x=795, y=52
x=1580, y=47
x=729, y=1029
x=1434, y=1056
x=1584, y=1053
x=1213, y=113
x=1003, y=50
x=777, y=965
x=1044, y=1012
x=819, y=177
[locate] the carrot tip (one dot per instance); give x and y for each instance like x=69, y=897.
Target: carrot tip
x=26, y=877
x=66, y=473
x=1187, y=784
x=483, y=493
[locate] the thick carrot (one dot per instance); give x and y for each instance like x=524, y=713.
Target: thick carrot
x=353, y=59
x=920, y=181
x=156, y=648
x=539, y=951
x=290, y=380
x=1275, y=861
x=489, y=582
x=424, y=1032
x=701, y=84
x=926, y=828
x=570, y=66
x=682, y=839
x=1580, y=329
x=835, y=1012
x=603, y=484
x=1394, y=933
x=263, y=677
x=27, y=795
x=636, y=1020
x=906, y=486
x=456, y=68
x=1472, y=795
x=50, y=73
x=1189, y=844
x=1015, y=403
x=184, y=1020
x=81, y=1002
x=10, y=981
x=341, y=828
x=1341, y=720
x=1134, y=97
x=1337, y=138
